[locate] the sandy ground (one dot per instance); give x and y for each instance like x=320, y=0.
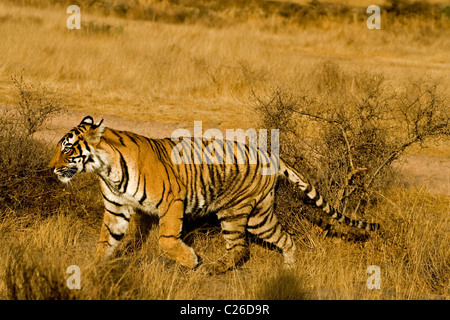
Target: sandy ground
x=417, y=171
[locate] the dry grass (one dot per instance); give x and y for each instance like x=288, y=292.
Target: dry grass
x=412, y=252
x=183, y=72
x=205, y=69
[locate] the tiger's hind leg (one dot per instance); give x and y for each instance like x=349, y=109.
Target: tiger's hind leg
x=233, y=222
x=264, y=224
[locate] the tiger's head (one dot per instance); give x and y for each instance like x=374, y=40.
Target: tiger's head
x=76, y=151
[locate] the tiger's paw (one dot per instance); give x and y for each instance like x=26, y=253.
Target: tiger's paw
x=230, y=260
x=213, y=268
x=190, y=260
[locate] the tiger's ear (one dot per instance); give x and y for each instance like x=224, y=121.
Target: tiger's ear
x=98, y=124
x=95, y=133
x=87, y=120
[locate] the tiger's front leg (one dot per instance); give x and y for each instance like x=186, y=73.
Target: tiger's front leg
x=170, y=228
x=115, y=223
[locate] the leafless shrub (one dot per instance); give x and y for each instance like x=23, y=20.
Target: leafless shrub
x=347, y=137
x=25, y=178
x=35, y=106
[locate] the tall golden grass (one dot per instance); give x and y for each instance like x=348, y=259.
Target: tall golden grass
x=162, y=71
x=412, y=253
x=170, y=71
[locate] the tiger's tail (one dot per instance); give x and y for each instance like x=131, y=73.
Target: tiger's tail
x=308, y=188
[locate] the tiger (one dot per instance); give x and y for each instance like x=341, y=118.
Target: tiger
x=138, y=175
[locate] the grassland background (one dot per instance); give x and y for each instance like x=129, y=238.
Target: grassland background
x=163, y=62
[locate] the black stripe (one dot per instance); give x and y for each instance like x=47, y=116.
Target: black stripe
x=333, y=211
x=242, y=153
x=160, y=151
x=232, y=175
x=122, y=161
x=87, y=146
x=138, y=184
x=162, y=195
x=269, y=232
x=90, y=159
x=233, y=217
x=374, y=226
x=237, y=245
x=119, y=136
x=110, y=201
x=244, y=178
x=169, y=205
x=77, y=146
x=292, y=243
x=212, y=185
x=229, y=232
x=323, y=205
x=130, y=136
x=192, y=169
x=107, y=184
x=107, y=242
x=261, y=213
x=262, y=223
x=124, y=179
x=169, y=236
x=197, y=148
x=232, y=236
x=150, y=142
x=281, y=245
x=203, y=183
x=308, y=188
x=316, y=196
x=116, y=237
x=121, y=215
x=144, y=194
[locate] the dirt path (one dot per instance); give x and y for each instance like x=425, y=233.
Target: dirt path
x=417, y=171
x=61, y=124
x=431, y=173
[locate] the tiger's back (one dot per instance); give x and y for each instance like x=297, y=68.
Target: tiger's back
x=206, y=187
x=211, y=187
